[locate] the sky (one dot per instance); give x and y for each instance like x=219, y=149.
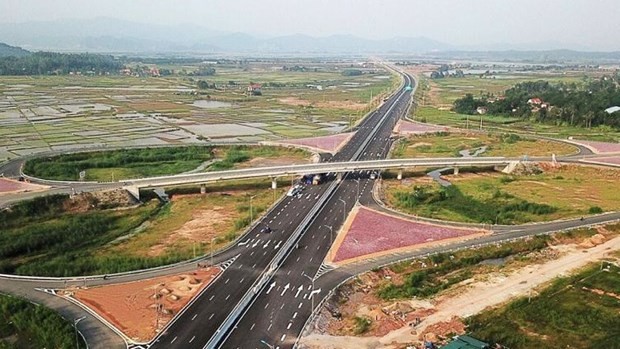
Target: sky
x=589, y=24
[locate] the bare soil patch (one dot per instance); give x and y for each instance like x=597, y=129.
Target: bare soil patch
x=279, y=161
x=298, y=102
x=202, y=227
x=443, y=315
x=133, y=307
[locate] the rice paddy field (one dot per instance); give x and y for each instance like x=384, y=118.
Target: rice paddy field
x=60, y=113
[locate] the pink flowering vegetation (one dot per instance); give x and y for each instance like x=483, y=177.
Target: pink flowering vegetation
x=7, y=185
x=373, y=232
x=406, y=127
x=601, y=147
x=325, y=143
x=613, y=160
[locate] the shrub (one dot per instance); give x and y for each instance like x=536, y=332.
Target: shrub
x=595, y=210
x=362, y=324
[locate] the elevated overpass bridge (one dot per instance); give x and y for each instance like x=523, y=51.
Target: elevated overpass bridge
x=134, y=186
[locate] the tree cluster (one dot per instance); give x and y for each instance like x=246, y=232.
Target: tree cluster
x=45, y=63
x=203, y=70
x=352, y=72
x=576, y=104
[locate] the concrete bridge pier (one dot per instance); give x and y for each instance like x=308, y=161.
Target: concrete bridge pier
x=399, y=176
x=339, y=176
x=456, y=170
x=274, y=183
x=203, y=189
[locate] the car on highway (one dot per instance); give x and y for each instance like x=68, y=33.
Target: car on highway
x=295, y=190
x=265, y=230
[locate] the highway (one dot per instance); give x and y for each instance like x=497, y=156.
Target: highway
x=279, y=313
x=200, y=320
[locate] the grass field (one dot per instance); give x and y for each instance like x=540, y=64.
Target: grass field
x=25, y=325
x=573, y=312
x=490, y=197
x=449, y=145
x=148, y=162
x=186, y=226
x=58, y=236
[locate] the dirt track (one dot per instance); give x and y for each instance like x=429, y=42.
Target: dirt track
x=497, y=290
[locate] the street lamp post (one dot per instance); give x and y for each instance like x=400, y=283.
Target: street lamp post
x=251, y=215
x=212, y=240
x=331, y=232
x=75, y=323
x=358, y=190
x=344, y=210
x=311, y=292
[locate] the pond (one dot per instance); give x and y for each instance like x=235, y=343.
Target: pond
x=211, y=104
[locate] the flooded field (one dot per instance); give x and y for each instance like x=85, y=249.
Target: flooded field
x=63, y=113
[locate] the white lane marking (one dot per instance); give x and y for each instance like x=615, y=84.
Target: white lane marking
x=300, y=305
x=211, y=317
x=194, y=317
x=301, y=288
x=270, y=287
x=227, y=297
x=191, y=340
x=289, y=326
x=213, y=296
x=295, y=315
x=266, y=305
x=225, y=282
x=285, y=289
x=252, y=327
x=282, y=338
x=267, y=244
x=240, y=281
x=174, y=339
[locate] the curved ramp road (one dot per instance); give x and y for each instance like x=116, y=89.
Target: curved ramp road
x=201, y=320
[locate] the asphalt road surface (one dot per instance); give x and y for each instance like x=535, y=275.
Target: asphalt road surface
x=277, y=316
x=279, y=313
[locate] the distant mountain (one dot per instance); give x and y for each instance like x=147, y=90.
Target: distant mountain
x=118, y=36
x=527, y=56
x=7, y=50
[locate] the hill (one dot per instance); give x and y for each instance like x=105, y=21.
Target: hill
x=7, y=50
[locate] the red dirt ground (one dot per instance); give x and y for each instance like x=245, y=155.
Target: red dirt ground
x=372, y=232
x=12, y=186
x=406, y=127
x=324, y=144
x=131, y=307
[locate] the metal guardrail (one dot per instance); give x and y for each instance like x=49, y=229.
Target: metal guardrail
x=257, y=287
